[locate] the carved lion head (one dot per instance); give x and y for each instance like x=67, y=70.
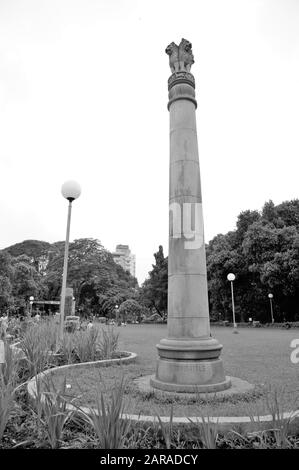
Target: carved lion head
x=186, y=45
x=169, y=49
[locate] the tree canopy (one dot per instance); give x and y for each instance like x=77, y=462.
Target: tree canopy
x=153, y=293
x=263, y=253
x=98, y=282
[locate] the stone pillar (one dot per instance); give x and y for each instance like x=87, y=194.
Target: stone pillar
x=68, y=306
x=189, y=357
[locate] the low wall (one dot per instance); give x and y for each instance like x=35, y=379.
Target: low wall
x=31, y=386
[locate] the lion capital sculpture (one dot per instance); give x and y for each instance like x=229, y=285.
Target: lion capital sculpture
x=180, y=57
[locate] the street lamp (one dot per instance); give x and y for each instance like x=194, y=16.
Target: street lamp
x=231, y=277
x=71, y=190
x=116, y=316
x=270, y=298
x=31, y=299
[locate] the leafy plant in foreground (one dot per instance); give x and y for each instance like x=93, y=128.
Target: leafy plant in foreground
x=281, y=425
x=167, y=430
x=51, y=407
x=8, y=378
x=85, y=344
x=108, y=343
x=37, y=342
x=208, y=432
x=107, y=419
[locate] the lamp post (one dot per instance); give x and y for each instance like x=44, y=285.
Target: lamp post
x=231, y=277
x=31, y=299
x=270, y=298
x=71, y=190
x=116, y=315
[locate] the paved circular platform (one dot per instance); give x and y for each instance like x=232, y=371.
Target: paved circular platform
x=238, y=387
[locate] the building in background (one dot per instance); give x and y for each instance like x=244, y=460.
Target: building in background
x=125, y=258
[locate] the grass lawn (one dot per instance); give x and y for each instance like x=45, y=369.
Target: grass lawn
x=260, y=356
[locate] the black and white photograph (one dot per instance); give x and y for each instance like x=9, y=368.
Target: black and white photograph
x=149, y=247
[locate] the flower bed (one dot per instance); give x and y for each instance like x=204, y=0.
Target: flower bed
x=123, y=357
x=147, y=407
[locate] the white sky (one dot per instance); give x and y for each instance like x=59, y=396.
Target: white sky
x=83, y=95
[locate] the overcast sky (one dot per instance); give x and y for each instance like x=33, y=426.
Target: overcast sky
x=83, y=95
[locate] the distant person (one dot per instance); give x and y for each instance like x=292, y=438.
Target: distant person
x=89, y=325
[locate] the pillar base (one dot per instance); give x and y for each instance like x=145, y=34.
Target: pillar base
x=206, y=376
x=190, y=365
x=189, y=348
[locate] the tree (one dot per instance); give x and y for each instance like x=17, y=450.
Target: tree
x=98, y=282
x=6, y=273
x=153, y=293
x=244, y=221
x=130, y=310
x=269, y=212
x=18, y=281
x=263, y=254
x=37, y=251
x=288, y=212
x=26, y=281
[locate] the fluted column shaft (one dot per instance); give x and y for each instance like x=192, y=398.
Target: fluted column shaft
x=188, y=310
x=189, y=357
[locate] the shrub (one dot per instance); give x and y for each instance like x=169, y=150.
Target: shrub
x=108, y=343
x=89, y=345
x=37, y=341
x=130, y=310
x=8, y=379
x=14, y=327
x=85, y=344
x=167, y=429
x=274, y=398
x=106, y=420
x=262, y=325
x=72, y=323
x=154, y=318
x=67, y=348
x=208, y=432
x=52, y=412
